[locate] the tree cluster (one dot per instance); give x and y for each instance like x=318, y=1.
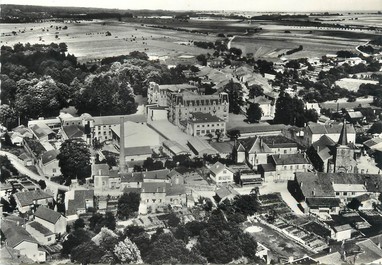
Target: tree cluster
x=291, y=111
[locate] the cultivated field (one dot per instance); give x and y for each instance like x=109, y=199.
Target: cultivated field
x=88, y=40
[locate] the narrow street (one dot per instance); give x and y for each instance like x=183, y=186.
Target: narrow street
x=19, y=165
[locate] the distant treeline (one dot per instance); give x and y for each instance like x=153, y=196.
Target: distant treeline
x=278, y=17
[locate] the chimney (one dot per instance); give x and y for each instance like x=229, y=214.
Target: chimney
x=122, y=163
x=99, y=172
x=318, y=149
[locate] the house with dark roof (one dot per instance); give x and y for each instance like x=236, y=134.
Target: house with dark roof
x=161, y=175
x=19, y=239
x=73, y=131
x=282, y=167
x=28, y=200
x=78, y=202
x=153, y=196
x=176, y=195
x=260, y=129
x=48, y=163
x=325, y=192
x=220, y=174
x=321, y=153
x=50, y=219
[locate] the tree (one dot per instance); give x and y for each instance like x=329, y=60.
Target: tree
x=202, y=59
x=7, y=169
x=42, y=184
x=151, y=165
x=87, y=253
x=235, y=96
x=98, y=221
x=127, y=252
x=74, y=159
x=74, y=239
x=128, y=205
x=233, y=134
x=173, y=220
x=79, y=223
x=254, y=113
x=7, y=116
x=167, y=249
x=255, y=91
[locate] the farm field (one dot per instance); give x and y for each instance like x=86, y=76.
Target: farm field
x=89, y=41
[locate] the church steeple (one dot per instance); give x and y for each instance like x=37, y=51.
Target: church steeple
x=343, y=140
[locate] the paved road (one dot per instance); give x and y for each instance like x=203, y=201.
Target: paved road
x=19, y=165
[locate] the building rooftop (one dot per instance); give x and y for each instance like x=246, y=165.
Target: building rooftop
x=200, y=117
x=223, y=147
x=370, y=252
x=138, y=150
x=200, y=147
x=225, y=191
x=73, y=131
x=79, y=201
x=218, y=168
x=173, y=190
x=49, y=156
x=323, y=202
x=153, y=187
x=47, y=214
x=175, y=147
x=28, y=197
x=323, y=147
x=341, y=228
x=116, y=119
x=331, y=128
x=290, y=159
x=156, y=174
x=15, y=235
x=261, y=128
x=137, y=135
x=321, y=184
x=267, y=167
x=278, y=141
x=40, y=228
x=41, y=130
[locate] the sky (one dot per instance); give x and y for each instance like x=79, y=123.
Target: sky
x=242, y=5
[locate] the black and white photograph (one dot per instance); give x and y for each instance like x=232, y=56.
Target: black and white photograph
x=190, y=132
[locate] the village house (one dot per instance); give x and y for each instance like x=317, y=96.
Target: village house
x=50, y=219
x=19, y=239
x=42, y=234
x=225, y=193
x=326, y=192
x=256, y=150
x=42, y=132
x=27, y=200
x=48, y=163
x=78, y=202
x=268, y=106
x=282, y=167
x=220, y=174
x=314, y=131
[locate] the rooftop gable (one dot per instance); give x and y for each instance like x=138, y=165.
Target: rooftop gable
x=47, y=214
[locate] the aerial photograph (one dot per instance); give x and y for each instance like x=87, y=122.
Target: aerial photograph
x=191, y=132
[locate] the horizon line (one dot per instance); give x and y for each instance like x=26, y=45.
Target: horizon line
x=201, y=10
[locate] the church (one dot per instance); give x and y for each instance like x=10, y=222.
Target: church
x=331, y=157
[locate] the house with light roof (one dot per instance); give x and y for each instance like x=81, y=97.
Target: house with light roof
x=220, y=174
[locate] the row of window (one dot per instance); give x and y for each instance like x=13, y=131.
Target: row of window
x=345, y=193
x=296, y=167
x=208, y=125
x=202, y=132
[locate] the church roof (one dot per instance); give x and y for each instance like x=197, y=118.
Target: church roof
x=343, y=140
